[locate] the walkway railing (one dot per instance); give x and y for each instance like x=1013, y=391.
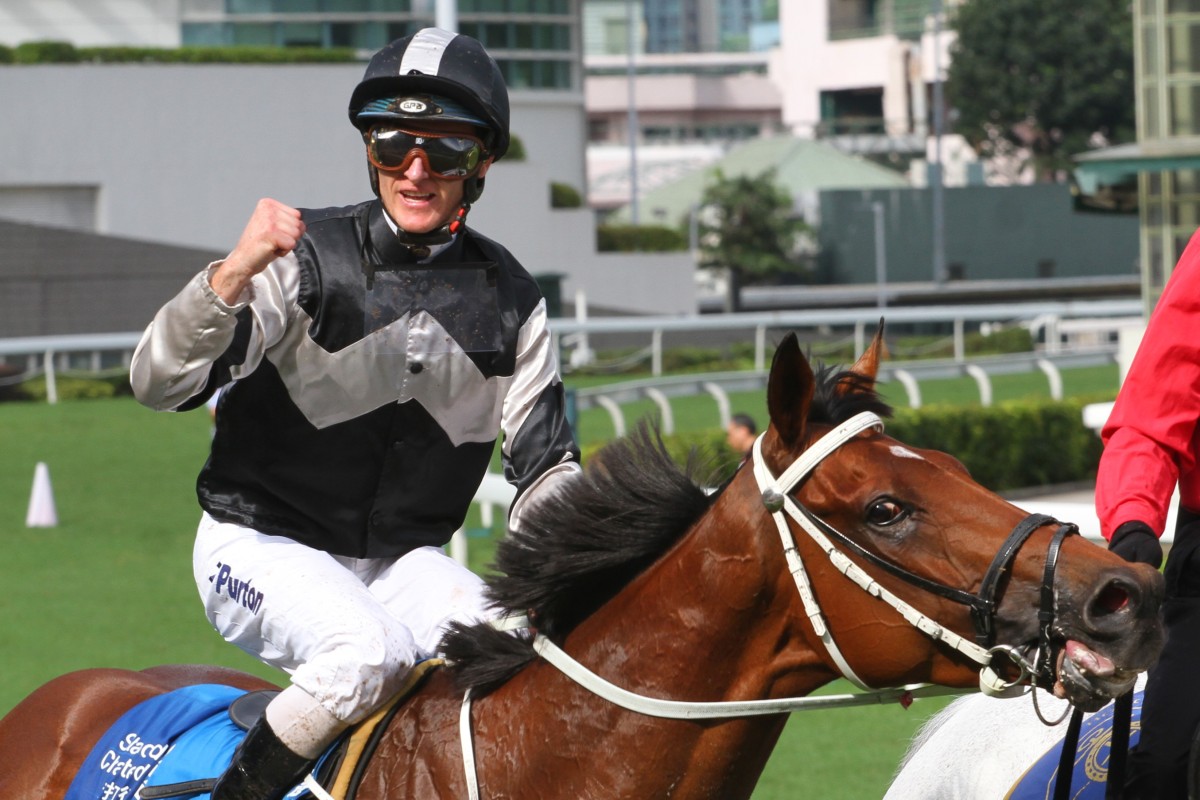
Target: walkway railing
x=1055, y=322
x=909, y=374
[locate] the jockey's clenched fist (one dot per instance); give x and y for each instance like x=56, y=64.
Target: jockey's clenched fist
x=273, y=231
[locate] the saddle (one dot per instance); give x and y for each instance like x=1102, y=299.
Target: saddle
x=177, y=744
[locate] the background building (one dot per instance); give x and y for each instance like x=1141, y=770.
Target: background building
x=1167, y=73
x=857, y=76
x=178, y=154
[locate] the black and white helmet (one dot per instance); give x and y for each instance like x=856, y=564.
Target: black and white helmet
x=442, y=64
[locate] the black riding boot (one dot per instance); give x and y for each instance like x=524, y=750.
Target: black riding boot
x=263, y=768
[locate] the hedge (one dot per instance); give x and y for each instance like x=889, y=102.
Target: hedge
x=638, y=238
x=68, y=387
x=564, y=195
x=1014, y=445
x=48, y=52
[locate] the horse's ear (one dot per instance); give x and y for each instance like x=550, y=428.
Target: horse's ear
x=789, y=390
x=868, y=363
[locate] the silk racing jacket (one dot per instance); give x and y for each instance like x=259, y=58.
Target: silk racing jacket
x=364, y=392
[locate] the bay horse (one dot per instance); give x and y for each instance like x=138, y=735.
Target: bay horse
x=834, y=551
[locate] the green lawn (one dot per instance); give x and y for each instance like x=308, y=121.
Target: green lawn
x=111, y=585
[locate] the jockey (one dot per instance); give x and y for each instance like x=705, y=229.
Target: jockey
x=371, y=356
x=1151, y=445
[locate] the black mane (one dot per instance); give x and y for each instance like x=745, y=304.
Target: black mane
x=603, y=528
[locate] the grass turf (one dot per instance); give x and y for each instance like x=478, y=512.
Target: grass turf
x=111, y=585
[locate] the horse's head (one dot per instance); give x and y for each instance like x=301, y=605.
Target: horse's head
x=975, y=578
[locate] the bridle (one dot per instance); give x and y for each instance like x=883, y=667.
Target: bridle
x=776, y=497
x=983, y=606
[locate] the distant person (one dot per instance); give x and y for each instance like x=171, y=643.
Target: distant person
x=372, y=356
x=1151, y=446
x=741, y=433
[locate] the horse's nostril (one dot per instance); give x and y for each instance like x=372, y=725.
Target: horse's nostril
x=1111, y=599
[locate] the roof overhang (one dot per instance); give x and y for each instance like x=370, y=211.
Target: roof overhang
x=1109, y=166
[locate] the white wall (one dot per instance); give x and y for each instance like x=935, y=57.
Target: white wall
x=90, y=23
x=181, y=153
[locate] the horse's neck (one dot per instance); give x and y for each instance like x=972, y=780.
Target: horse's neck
x=710, y=621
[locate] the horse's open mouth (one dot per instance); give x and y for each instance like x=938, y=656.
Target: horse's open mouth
x=1089, y=679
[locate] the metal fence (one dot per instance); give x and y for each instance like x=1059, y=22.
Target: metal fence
x=1060, y=326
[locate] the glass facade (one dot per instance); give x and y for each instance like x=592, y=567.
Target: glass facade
x=700, y=26
x=1167, y=58
x=534, y=41
x=859, y=19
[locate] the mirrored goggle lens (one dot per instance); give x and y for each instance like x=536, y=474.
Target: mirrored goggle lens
x=445, y=156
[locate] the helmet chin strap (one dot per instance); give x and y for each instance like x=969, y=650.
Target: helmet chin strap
x=419, y=244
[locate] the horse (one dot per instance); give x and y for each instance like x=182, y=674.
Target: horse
x=982, y=748
x=834, y=551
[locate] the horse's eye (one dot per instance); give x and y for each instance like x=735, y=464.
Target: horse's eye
x=885, y=511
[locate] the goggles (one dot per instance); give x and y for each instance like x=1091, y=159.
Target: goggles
x=454, y=156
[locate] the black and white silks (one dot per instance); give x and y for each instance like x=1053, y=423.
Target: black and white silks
x=361, y=421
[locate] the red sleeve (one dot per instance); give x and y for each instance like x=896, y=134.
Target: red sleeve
x=1150, y=437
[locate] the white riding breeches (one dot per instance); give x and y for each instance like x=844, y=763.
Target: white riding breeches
x=346, y=630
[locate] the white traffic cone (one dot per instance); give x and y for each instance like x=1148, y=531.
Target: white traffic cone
x=41, y=512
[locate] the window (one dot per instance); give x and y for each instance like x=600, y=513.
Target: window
x=297, y=7
x=302, y=34
x=250, y=34
x=852, y=111
x=518, y=74
x=248, y=6
x=523, y=36
x=496, y=35
x=1185, y=110
x=598, y=130
x=616, y=37
x=346, y=34
x=203, y=34
x=558, y=37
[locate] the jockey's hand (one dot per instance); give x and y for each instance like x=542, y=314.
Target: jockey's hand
x=1135, y=541
x=273, y=231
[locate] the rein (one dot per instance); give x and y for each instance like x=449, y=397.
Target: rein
x=776, y=498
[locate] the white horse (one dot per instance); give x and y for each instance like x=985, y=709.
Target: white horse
x=979, y=748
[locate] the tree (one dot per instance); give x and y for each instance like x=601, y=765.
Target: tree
x=747, y=226
x=1048, y=78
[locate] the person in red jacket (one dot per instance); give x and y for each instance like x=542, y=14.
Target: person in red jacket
x=1151, y=445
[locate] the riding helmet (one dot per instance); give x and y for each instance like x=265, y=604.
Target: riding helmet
x=439, y=63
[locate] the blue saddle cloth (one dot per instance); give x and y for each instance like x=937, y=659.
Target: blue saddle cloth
x=1090, y=774
x=183, y=735
x=138, y=743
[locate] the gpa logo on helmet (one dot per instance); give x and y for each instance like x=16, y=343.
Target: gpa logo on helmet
x=411, y=105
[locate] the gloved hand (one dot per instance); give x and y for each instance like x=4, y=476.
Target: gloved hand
x=1135, y=541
